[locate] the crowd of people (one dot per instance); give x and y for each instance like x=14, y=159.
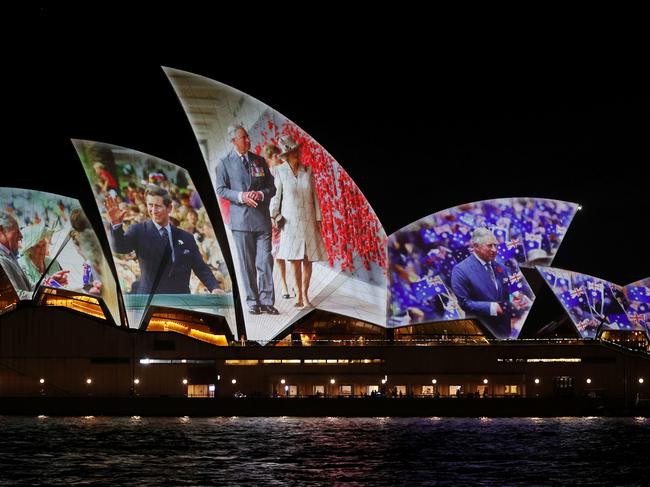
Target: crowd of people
x=423, y=255
x=590, y=302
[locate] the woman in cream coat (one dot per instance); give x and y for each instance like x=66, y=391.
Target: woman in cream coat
x=295, y=210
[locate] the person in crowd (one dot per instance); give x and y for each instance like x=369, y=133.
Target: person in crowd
x=105, y=179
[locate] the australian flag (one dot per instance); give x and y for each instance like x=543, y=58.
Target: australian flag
x=428, y=235
x=636, y=318
x=504, y=222
x=437, y=254
x=452, y=311
x=642, y=307
x=586, y=326
x=562, y=282
x=509, y=249
x=549, y=276
x=533, y=241
x=573, y=297
x=619, y=321
x=441, y=259
x=428, y=288
x=461, y=254
x=596, y=289
x=527, y=225
x=461, y=236
x=443, y=231
x=554, y=229
x=640, y=294
x=466, y=218
x=515, y=282
x=500, y=233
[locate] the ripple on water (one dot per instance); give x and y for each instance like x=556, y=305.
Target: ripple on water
x=323, y=451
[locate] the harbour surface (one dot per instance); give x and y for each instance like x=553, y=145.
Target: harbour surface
x=143, y=451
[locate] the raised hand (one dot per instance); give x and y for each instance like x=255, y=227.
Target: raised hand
x=61, y=277
x=115, y=214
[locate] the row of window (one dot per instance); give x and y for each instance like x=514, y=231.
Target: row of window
x=318, y=361
x=544, y=360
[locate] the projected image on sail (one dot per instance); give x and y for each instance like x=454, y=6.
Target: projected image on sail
x=464, y=262
x=164, y=246
x=593, y=304
x=302, y=234
x=46, y=240
x=34, y=226
x=637, y=302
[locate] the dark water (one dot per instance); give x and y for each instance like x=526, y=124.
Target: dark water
x=324, y=451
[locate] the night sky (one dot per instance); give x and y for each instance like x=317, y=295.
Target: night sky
x=418, y=124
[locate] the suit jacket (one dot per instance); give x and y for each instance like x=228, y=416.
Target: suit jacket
x=232, y=178
x=296, y=201
x=473, y=286
x=149, y=247
x=19, y=280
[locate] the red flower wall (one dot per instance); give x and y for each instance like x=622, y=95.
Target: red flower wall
x=349, y=225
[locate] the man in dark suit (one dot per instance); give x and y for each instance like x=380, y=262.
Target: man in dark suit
x=244, y=179
x=481, y=284
x=165, y=253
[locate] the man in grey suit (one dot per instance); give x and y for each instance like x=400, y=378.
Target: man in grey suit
x=244, y=179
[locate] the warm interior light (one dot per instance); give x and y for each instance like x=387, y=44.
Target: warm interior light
x=200, y=332
x=83, y=304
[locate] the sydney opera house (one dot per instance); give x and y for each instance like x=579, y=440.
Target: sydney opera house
x=297, y=290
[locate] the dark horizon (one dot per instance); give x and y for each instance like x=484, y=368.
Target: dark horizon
x=464, y=132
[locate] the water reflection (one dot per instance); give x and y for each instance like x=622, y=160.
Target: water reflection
x=323, y=451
